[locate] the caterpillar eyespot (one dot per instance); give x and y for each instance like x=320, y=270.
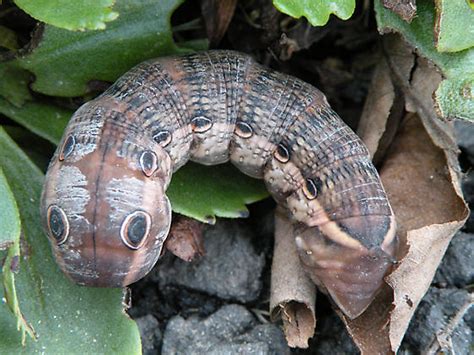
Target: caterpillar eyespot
x=105, y=199
x=201, y=124
x=282, y=154
x=310, y=190
x=135, y=229
x=58, y=224
x=163, y=138
x=243, y=130
x=148, y=162
x=67, y=148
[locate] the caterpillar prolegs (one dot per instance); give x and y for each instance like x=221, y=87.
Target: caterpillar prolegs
x=104, y=205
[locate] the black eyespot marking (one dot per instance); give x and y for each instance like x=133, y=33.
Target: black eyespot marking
x=67, y=148
x=201, y=124
x=148, y=162
x=162, y=137
x=310, y=190
x=243, y=130
x=282, y=154
x=58, y=224
x=135, y=229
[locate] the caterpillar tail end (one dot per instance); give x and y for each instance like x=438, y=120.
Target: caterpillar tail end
x=351, y=277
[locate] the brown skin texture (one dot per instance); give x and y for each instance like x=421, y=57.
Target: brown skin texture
x=215, y=107
x=104, y=259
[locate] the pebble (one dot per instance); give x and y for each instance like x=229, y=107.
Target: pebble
x=231, y=269
x=150, y=334
x=230, y=330
x=457, y=266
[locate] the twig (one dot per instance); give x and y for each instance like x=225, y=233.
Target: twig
x=442, y=339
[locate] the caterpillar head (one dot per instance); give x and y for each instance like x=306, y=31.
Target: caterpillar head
x=103, y=205
x=350, y=271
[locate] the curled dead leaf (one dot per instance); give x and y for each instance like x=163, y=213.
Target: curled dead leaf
x=421, y=176
x=217, y=15
x=293, y=295
x=185, y=238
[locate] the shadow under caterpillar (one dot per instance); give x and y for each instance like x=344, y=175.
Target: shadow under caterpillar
x=104, y=205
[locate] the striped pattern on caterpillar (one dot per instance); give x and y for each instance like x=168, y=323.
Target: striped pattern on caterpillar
x=104, y=205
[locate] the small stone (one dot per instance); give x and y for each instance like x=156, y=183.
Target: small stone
x=150, y=334
x=230, y=269
x=231, y=330
x=457, y=267
x=332, y=338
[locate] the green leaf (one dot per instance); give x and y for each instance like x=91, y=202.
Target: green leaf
x=316, y=11
x=66, y=318
x=71, y=15
x=203, y=192
x=455, y=95
x=46, y=121
x=65, y=62
x=9, y=216
x=454, y=25
x=10, y=226
x=14, y=83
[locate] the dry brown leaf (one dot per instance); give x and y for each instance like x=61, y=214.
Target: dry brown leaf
x=383, y=108
x=406, y=9
x=217, y=16
x=421, y=176
x=293, y=294
x=429, y=208
x=185, y=238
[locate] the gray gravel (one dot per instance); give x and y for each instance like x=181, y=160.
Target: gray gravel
x=436, y=310
x=457, y=269
x=150, y=334
x=231, y=330
x=231, y=268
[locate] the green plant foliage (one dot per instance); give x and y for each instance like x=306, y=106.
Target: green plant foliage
x=9, y=215
x=316, y=11
x=14, y=83
x=10, y=226
x=46, y=121
x=71, y=15
x=66, y=318
x=455, y=95
x=454, y=25
x=204, y=192
x=64, y=62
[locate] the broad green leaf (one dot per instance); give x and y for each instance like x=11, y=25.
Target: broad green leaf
x=71, y=15
x=316, y=11
x=67, y=319
x=9, y=215
x=455, y=95
x=10, y=226
x=64, y=62
x=454, y=25
x=14, y=83
x=203, y=192
x=46, y=121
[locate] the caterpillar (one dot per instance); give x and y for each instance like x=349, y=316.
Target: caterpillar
x=104, y=205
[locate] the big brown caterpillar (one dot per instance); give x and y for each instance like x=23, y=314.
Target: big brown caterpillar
x=104, y=205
